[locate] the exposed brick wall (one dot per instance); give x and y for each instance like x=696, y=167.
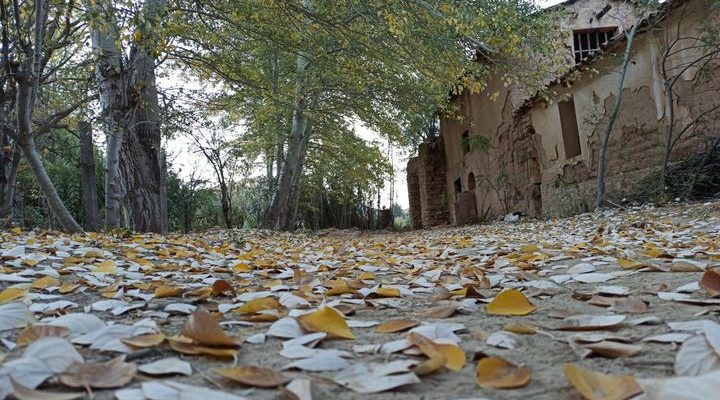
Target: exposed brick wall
x=426, y=187
x=465, y=211
x=413, y=184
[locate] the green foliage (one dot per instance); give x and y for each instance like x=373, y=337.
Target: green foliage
x=61, y=155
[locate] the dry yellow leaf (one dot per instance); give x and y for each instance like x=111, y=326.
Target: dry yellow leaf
x=598, y=386
x=68, y=287
x=254, y=306
x=254, y=376
x=629, y=264
x=453, y=357
x=144, y=341
x=34, y=332
x=510, y=302
x=168, y=291
x=44, y=282
x=205, y=330
x=396, y=325
x=520, y=329
x=181, y=345
x=107, y=267
x=496, y=373
x=326, y=320
x=12, y=293
x=387, y=292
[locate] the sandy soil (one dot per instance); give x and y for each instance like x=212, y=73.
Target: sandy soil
x=686, y=235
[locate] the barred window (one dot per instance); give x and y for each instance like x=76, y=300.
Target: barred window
x=587, y=42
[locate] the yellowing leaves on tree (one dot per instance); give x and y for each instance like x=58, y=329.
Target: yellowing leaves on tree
x=510, y=302
x=327, y=320
x=497, y=373
x=598, y=386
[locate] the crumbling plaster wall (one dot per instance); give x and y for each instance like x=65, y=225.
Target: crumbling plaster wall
x=638, y=138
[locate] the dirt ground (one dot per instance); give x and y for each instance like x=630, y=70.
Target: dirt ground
x=649, y=250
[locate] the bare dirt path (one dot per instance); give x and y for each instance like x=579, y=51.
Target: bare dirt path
x=638, y=269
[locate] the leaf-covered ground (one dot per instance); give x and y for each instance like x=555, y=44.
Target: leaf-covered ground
x=599, y=306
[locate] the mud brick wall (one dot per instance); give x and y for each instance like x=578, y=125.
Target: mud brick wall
x=465, y=210
x=426, y=187
x=413, y=184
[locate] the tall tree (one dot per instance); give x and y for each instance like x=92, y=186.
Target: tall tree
x=341, y=62
x=136, y=173
x=39, y=29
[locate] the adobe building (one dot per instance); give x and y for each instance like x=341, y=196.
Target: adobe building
x=541, y=153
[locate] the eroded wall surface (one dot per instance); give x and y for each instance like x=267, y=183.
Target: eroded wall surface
x=637, y=141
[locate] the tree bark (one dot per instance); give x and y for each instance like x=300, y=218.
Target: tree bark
x=281, y=209
x=89, y=185
x=28, y=81
x=26, y=141
x=110, y=76
x=602, y=161
x=141, y=162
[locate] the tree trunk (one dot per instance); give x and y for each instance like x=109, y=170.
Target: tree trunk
x=141, y=162
x=601, y=197
x=113, y=104
x=27, y=145
x=7, y=206
x=89, y=185
x=28, y=81
x=279, y=212
x=225, y=205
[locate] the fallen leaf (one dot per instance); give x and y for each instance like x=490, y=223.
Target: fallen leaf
x=221, y=286
x=396, y=325
x=598, y=386
x=109, y=374
x=610, y=349
x=24, y=393
x=34, y=332
x=510, y=302
x=322, y=363
x=169, y=390
x=14, y=315
x=205, y=330
x=701, y=387
x=144, y=341
x=497, y=373
x=377, y=377
x=256, y=305
x=254, y=376
x=440, y=312
x=631, y=305
x=710, y=281
x=193, y=349
x=166, y=366
x=168, y=291
x=326, y=320
x=12, y=293
x=520, y=329
x=298, y=389
x=591, y=322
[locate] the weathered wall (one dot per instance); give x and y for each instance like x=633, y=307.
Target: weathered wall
x=426, y=187
x=413, y=184
x=638, y=138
